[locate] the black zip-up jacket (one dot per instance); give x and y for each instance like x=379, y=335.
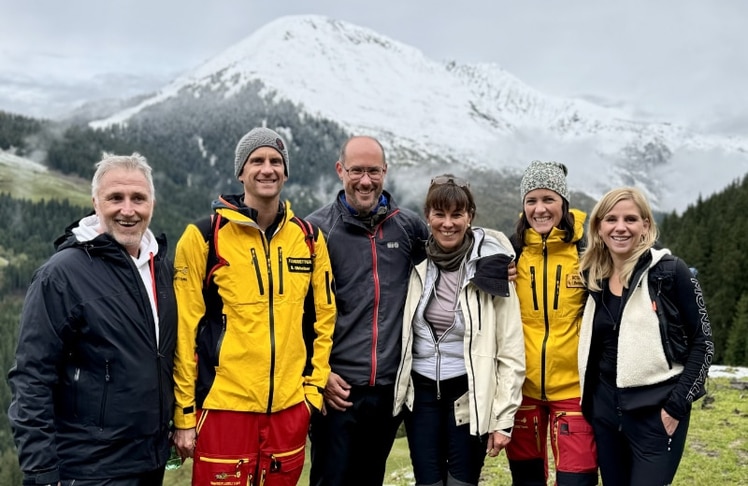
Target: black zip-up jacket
x=92, y=392
x=371, y=264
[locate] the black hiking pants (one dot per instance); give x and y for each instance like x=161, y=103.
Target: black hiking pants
x=350, y=448
x=633, y=448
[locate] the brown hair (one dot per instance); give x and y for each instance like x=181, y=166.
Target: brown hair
x=448, y=192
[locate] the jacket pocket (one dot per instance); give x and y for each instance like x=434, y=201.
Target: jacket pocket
x=284, y=467
x=574, y=442
x=462, y=409
x=526, y=435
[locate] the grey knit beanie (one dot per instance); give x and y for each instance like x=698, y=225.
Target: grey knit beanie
x=256, y=138
x=545, y=175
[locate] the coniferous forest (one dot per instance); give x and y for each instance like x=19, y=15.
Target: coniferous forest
x=710, y=235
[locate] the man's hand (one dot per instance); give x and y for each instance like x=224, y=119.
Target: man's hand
x=336, y=393
x=496, y=442
x=512, y=271
x=184, y=440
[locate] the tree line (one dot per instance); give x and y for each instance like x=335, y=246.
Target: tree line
x=711, y=237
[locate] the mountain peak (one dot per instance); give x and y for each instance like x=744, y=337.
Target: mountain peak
x=469, y=114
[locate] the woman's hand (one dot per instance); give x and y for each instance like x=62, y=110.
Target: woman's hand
x=669, y=422
x=496, y=442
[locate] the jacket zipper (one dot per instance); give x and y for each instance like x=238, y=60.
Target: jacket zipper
x=375, y=316
x=76, y=379
x=407, y=345
x=328, y=287
x=437, y=341
x=546, y=322
x=558, y=287
x=159, y=356
x=258, y=273
x=469, y=331
x=280, y=271
x=271, y=320
x=107, y=379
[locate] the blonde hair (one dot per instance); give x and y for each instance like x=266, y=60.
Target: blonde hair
x=596, y=262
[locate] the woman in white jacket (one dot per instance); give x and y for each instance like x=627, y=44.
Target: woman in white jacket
x=463, y=359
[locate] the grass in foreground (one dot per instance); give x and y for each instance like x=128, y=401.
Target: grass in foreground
x=716, y=449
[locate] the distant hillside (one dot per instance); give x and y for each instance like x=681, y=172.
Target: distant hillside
x=24, y=179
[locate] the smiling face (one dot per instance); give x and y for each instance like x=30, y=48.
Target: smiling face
x=543, y=209
x=448, y=226
x=263, y=176
x=124, y=204
x=622, y=229
x=361, y=191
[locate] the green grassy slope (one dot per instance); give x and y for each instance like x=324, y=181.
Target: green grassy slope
x=24, y=179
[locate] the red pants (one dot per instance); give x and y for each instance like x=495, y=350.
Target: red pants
x=255, y=449
x=572, y=442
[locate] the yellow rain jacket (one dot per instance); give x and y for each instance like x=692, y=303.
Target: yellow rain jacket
x=552, y=297
x=241, y=343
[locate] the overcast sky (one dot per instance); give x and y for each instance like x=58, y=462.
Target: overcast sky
x=684, y=61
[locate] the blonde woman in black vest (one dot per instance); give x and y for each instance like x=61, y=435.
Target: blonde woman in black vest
x=637, y=390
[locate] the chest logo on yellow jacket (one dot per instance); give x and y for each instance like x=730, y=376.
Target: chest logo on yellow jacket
x=574, y=281
x=299, y=265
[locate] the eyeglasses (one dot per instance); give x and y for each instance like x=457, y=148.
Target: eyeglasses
x=375, y=173
x=439, y=180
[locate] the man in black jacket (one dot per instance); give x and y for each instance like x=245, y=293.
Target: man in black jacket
x=373, y=246
x=92, y=387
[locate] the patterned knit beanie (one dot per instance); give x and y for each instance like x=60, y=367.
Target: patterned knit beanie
x=545, y=175
x=256, y=138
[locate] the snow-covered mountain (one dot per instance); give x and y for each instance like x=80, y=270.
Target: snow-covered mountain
x=470, y=115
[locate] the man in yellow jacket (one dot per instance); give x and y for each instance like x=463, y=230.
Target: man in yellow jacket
x=256, y=316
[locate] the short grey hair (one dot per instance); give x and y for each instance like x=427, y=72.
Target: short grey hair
x=130, y=162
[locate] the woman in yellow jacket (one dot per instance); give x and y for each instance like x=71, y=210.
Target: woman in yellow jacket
x=551, y=293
